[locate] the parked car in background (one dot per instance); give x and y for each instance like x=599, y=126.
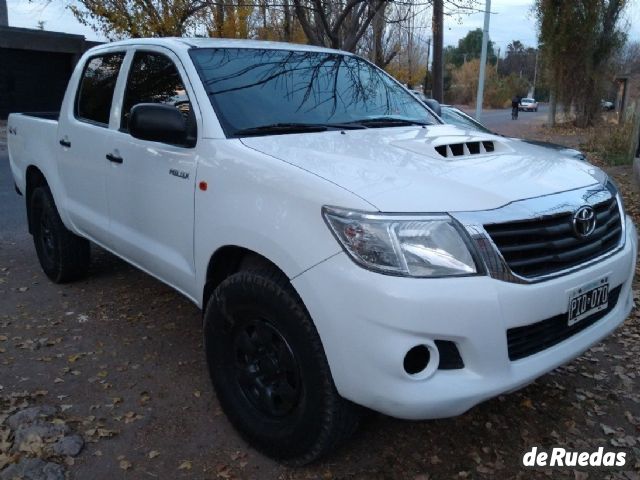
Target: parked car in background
x=607, y=105
x=528, y=105
x=455, y=116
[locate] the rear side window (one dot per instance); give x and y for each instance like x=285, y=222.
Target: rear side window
x=96, y=88
x=154, y=78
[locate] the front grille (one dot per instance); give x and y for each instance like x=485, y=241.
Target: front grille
x=546, y=245
x=530, y=339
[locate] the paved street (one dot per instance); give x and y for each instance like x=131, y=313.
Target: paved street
x=499, y=120
x=120, y=355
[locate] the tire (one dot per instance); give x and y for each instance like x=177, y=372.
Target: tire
x=258, y=339
x=63, y=256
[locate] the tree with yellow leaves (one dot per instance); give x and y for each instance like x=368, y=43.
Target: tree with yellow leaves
x=142, y=18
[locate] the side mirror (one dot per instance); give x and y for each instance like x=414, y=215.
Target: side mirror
x=159, y=123
x=434, y=105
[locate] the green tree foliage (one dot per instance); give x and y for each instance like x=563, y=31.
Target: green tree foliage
x=578, y=41
x=519, y=60
x=468, y=49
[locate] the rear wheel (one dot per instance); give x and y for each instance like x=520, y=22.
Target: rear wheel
x=269, y=369
x=63, y=255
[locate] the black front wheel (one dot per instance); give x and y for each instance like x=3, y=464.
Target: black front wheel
x=269, y=369
x=63, y=255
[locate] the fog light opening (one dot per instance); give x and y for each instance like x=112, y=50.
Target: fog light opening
x=417, y=359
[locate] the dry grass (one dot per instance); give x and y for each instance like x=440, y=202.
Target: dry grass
x=611, y=142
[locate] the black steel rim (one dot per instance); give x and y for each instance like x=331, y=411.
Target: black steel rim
x=266, y=369
x=46, y=236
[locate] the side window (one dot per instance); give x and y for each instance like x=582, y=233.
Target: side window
x=95, y=93
x=153, y=78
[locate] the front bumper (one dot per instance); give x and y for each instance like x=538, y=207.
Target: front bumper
x=368, y=321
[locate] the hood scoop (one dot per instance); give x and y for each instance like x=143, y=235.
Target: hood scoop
x=454, y=147
x=465, y=149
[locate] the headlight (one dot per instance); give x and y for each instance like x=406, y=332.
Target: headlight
x=420, y=246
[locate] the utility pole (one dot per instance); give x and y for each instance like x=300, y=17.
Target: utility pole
x=410, y=49
x=437, y=66
x=426, y=75
x=535, y=74
x=497, y=59
x=483, y=60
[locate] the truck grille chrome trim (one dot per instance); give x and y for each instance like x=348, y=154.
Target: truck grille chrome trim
x=547, y=245
x=534, y=240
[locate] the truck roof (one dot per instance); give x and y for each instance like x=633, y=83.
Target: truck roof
x=183, y=43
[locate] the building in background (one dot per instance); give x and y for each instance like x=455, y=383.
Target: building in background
x=4, y=16
x=36, y=66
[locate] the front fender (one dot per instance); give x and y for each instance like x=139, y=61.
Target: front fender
x=264, y=205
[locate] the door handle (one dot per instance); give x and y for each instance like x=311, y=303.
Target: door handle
x=114, y=158
x=65, y=143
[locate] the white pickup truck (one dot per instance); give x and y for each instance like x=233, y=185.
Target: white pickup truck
x=346, y=247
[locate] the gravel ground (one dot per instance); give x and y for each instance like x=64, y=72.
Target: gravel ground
x=118, y=357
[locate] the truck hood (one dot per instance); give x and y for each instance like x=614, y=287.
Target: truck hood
x=403, y=169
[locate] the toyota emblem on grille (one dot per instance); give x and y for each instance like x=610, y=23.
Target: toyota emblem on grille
x=584, y=221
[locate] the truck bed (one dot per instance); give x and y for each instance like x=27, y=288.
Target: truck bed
x=44, y=115
x=32, y=139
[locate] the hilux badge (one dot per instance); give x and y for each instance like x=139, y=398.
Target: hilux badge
x=179, y=173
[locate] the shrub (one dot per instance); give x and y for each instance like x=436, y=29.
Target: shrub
x=611, y=142
x=497, y=90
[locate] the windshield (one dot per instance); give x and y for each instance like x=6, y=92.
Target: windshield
x=252, y=89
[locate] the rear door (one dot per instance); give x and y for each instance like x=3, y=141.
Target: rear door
x=82, y=133
x=151, y=185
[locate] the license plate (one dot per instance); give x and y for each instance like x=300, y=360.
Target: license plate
x=587, y=300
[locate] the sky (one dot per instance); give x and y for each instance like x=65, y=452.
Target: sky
x=510, y=20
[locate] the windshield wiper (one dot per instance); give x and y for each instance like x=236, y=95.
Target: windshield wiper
x=387, y=122
x=281, y=128
x=284, y=128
